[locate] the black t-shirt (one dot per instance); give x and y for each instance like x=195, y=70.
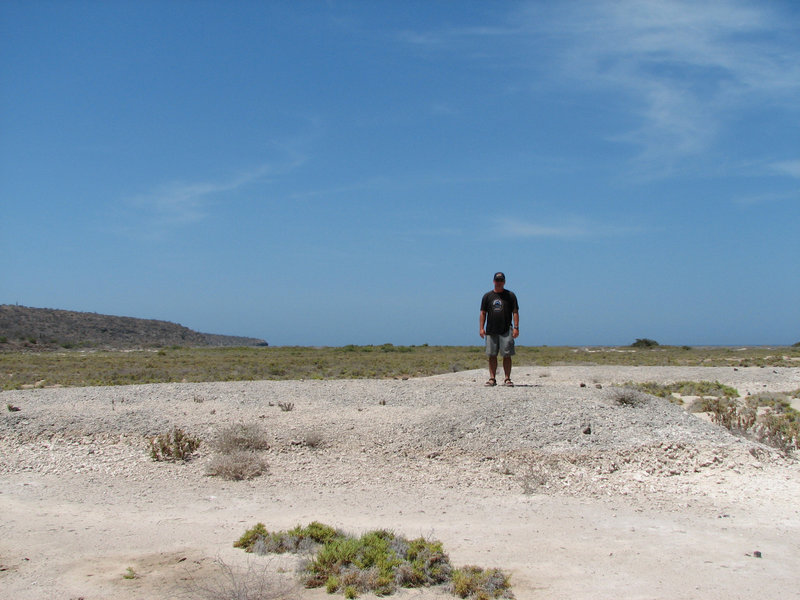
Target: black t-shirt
x=499, y=307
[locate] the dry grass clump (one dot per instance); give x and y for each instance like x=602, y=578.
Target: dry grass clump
x=241, y=436
x=237, y=456
x=481, y=584
x=378, y=562
x=313, y=439
x=777, y=424
x=229, y=583
x=173, y=446
x=237, y=465
x=628, y=396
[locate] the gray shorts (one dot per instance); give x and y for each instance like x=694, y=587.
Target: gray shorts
x=502, y=344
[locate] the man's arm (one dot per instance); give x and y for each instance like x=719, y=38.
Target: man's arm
x=515, y=331
x=482, y=323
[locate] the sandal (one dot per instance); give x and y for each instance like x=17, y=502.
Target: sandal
x=508, y=382
x=491, y=383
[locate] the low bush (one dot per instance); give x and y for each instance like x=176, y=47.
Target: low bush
x=241, y=436
x=777, y=426
x=236, y=465
x=260, y=541
x=626, y=396
x=176, y=445
x=644, y=343
x=481, y=584
x=378, y=561
x=685, y=388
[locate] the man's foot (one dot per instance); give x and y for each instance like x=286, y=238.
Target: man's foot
x=491, y=383
x=508, y=382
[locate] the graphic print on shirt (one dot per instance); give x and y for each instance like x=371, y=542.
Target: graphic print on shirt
x=497, y=305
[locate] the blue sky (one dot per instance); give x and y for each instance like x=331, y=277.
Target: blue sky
x=325, y=173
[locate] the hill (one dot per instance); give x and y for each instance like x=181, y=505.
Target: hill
x=47, y=328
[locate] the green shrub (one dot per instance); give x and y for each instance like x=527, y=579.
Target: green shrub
x=250, y=537
x=644, y=343
x=172, y=446
x=260, y=541
x=378, y=561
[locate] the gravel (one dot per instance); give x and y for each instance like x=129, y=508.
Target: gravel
x=547, y=432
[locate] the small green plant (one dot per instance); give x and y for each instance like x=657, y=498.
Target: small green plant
x=332, y=585
x=350, y=592
x=129, y=574
x=176, y=445
x=286, y=406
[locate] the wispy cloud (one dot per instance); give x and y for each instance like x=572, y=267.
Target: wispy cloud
x=685, y=65
x=179, y=203
x=767, y=198
x=566, y=229
x=787, y=167
x=681, y=69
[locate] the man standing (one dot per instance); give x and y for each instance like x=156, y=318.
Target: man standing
x=498, y=309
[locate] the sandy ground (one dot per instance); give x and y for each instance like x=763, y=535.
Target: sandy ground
x=651, y=504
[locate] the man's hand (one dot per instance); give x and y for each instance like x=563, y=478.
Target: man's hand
x=515, y=332
x=482, y=332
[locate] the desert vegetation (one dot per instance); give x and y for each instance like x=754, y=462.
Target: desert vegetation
x=766, y=417
x=22, y=369
x=378, y=561
x=685, y=388
x=174, y=445
x=237, y=452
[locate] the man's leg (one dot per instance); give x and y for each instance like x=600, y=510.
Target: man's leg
x=493, y=367
x=506, y=366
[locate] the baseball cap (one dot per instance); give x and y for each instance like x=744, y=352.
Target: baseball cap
x=499, y=276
